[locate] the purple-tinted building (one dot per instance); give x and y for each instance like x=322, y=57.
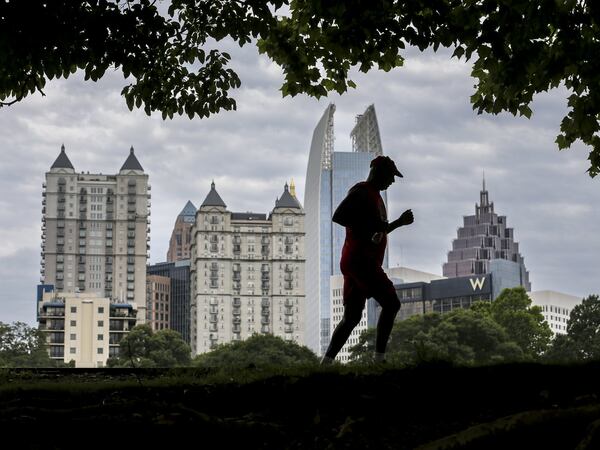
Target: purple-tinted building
x=483, y=243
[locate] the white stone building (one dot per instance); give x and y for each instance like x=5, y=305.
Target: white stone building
x=247, y=273
x=556, y=308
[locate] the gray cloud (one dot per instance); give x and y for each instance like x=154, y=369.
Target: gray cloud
x=427, y=125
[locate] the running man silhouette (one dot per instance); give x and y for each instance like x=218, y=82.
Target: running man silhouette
x=363, y=214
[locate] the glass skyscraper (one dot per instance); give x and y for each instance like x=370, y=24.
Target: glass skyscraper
x=329, y=176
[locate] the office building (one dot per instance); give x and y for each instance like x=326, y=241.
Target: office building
x=95, y=231
x=484, y=238
x=556, y=308
x=84, y=327
x=158, y=302
x=178, y=274
x=330, y=174
x=181, y=237
x=247, y=273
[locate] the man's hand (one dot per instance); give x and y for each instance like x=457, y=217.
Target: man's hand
x=406, y=218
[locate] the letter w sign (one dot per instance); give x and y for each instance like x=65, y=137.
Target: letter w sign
x=477, y=283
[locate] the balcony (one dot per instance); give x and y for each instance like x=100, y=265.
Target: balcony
x=288, y=268
x=288, y=329
x=289, y=311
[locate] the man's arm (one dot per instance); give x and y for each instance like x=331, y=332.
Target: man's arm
x=405, y=219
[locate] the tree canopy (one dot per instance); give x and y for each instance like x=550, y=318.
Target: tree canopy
x=141, y=347
x=507, y=329
x=23, y=346
x=519, y=48
x=582, y=341
x=258, y=351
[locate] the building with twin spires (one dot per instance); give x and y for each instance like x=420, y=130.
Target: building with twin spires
x=329, y=176
x=246, y=273
x=95, y=230
x=485, y=244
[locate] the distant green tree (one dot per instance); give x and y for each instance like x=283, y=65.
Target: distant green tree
x=524, y=323
x=23, y=346
x=141, y=347
x=561, y=350
x=583, y=329
x=258, y=350
x=464, y=337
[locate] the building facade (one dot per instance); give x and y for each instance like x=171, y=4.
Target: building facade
x=556, y=308
x=329, y=176
x=95, y=231
x=181, y=237
x=483, y=238
x=247, y=273
x=84, y=328
x=179, y=309
x=158, y=302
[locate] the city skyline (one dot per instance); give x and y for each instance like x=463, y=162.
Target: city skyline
x=427, y=127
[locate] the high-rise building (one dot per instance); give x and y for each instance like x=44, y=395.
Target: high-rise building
x=178, y=274
x=95, y=231
x=484, y=241
x=247, y=272
x=329, y=176
x=158, y=302
x=181, y=237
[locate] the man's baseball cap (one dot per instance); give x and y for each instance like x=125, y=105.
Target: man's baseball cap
x=386, y=163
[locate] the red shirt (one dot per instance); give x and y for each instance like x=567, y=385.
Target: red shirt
x=363, y=214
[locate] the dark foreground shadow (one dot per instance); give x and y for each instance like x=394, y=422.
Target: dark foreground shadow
x=428, y=407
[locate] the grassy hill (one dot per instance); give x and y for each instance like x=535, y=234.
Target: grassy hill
x=428, y=407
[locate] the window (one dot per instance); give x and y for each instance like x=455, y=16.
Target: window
x=72, y=350
x=100, y=350
x=101, y=323
x=100, y=309
x=100, y=337
x=73, y=309
x=73, y=336
x=73, y=323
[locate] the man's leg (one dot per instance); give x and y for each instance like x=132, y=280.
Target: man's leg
x=390, y=305
x=354, y=303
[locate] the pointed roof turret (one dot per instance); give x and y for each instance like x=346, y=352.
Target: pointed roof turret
x=62, y=162
x=213, y=198
x=293, y=188
x=287, y=200
x=132, y=163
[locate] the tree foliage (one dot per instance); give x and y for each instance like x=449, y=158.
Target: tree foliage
x=23, y=346
x=505, y=330
x=257, y=351
x=464, y=337
x=524, y=323
x=141, y=347
x=582, y=341
x=519, y=48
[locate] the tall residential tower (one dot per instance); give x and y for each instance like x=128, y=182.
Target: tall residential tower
x=247, y=273
x=95, y=231
x=329, y=176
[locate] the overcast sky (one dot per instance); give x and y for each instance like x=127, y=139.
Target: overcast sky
x=427, y=126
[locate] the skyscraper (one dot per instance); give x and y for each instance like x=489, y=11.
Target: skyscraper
x=181, y=237
x=484, y=244
x=95, y=231
x=328, y=177
x=247, y=272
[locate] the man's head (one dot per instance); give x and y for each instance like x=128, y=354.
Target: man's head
x=383, y=171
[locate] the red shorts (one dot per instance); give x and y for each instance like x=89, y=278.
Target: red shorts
x=362, y=282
